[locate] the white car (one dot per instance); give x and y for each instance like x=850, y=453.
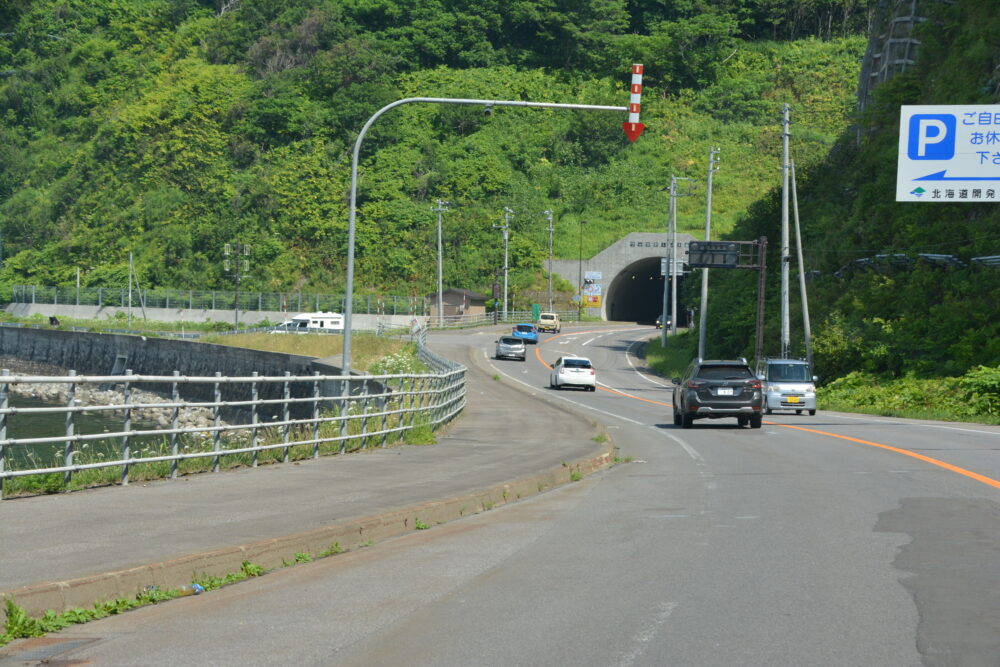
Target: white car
x=573, y=371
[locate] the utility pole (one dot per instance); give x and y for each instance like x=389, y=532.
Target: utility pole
x=442, y=206
x=239, y=272
x=548, y=216
x=507, y=212
x=802, y=271
x=785, y=328
x=579, y=315
x=703, y=316
x=671, y=264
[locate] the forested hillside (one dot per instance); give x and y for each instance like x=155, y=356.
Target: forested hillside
x=168, y=128
x=923, y=318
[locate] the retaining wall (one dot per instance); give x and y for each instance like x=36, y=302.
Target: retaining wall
x=96, y=354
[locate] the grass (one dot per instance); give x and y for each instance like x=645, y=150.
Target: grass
x=671, y=360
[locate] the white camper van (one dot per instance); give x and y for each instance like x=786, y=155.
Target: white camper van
x=312, y=323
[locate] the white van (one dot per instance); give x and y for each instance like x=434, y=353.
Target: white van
x=312, y=323
x=788, y=385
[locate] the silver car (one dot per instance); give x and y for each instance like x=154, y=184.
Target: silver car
x=788, y=385
x=509, y=347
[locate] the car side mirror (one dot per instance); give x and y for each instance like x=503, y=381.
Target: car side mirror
x=815, y=378
x=761, y=378
x=676, y=380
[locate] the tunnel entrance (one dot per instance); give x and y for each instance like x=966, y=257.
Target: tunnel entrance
x=636, y=294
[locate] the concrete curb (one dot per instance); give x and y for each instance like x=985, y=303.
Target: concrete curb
x=273, y=553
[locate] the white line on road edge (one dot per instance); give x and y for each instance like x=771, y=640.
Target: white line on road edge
x=899, y=422
x=687, y=448
x=628, y=358
x=646, y=635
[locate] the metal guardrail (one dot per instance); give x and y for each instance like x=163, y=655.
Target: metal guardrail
x=274, y=414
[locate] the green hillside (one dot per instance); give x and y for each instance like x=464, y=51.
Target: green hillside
x=924, y=320
x=168, y=128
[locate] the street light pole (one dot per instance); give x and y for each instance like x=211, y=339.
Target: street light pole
x=580, y=280
x=548, y=215
x=352, y=211
x=507, y=212
x=442, y=206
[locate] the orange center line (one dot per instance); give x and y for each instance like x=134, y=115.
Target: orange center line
x=927, y=459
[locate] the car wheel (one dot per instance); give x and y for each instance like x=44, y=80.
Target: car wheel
x=742, y=421
x=755, y=422
x=798, y=412
x=812, y=412
x=677, y=419
x=768, y=411
x=593, y=388
x=686, y=421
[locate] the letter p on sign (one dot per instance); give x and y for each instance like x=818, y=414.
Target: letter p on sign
x=931, y=137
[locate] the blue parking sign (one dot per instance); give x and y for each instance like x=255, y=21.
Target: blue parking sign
x=949, y=153
x=932, y=136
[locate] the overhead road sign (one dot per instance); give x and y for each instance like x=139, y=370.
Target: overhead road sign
x=713, y=254
x=949, y=153
x=633, y=128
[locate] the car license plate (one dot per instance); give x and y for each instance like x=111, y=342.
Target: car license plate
x=725, y=391
x=793, y=399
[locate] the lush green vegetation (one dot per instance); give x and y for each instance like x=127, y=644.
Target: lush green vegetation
x=166, y=129
x=923, y=321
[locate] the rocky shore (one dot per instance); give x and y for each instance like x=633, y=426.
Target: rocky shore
x=86, y=394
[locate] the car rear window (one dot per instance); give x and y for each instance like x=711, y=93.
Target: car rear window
x=724, y=372
x=507, y=340
x=526, y=328
x=576, y=363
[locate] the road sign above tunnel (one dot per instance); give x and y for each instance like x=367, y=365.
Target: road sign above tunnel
x=713, y=254
x=633, y=128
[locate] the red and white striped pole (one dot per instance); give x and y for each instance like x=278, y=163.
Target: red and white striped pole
x=633, y=128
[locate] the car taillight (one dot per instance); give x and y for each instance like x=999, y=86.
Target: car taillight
x=755, y=384
x=695, y=384
x=591, y=371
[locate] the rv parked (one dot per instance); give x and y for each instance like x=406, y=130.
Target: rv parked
x=312, y=323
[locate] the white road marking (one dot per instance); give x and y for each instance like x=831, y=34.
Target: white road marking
x=590, y=340
x=642, y=638
x=533, y=389
x=628, y=358
x=687, y=448
x=899, y=422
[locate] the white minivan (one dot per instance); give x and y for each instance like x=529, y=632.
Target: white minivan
x=321, y=322
x=788, y=384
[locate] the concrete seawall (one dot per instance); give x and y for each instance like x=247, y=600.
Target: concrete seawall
x=107, y=354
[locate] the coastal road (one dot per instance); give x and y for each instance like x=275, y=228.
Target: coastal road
x=834, y=539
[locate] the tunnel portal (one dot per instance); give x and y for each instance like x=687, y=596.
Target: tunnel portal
x=636, y=294
x=623, y=281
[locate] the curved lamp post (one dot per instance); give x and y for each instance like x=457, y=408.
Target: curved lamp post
x=352, y=213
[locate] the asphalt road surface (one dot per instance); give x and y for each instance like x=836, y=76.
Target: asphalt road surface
x=828, y=540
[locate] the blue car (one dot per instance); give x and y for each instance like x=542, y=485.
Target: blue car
x=526, y=332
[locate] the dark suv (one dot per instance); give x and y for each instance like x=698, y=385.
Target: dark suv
x=713, y=389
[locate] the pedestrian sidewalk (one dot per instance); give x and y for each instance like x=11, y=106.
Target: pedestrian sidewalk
x=71, y=550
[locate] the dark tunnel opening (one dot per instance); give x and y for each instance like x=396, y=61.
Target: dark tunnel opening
x=636, y=294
